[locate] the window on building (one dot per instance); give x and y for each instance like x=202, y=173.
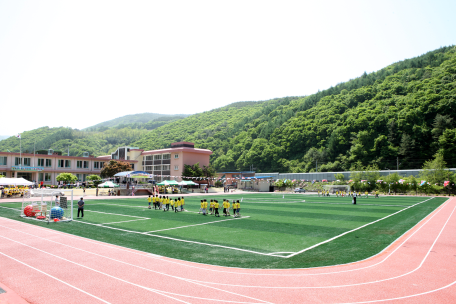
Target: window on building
x=79, y=164
x=78, y=176
x=157, y=168
x=165, y=167
x=17, y=161
x=48, y=162
x=3, y=173
x=27, y=161
x=176, y=156
x=96, y=165
x=157, y=157
x=167, y=156
x=61, y=163
x=3, y=160
x=149, y=157
x=40, y=177
x=101, y=164
x=67, y=163
x=86, y=164
x=176, y=167
x=41, y=162
x=47, y=177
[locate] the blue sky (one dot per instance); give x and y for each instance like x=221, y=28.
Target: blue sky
x=78, y=63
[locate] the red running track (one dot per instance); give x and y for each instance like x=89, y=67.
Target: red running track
x=47, y=266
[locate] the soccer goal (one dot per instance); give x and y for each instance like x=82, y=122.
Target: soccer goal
x=333, y=188
x=51, y=205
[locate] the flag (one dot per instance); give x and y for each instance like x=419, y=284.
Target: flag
x=446, y=183
x=422, y=183
x=18, y=135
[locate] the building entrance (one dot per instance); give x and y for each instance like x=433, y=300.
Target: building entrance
x=25, y=175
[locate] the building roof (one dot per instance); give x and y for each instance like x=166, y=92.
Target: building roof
x=183, y=149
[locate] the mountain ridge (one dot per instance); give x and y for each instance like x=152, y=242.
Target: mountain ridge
x=403, y=113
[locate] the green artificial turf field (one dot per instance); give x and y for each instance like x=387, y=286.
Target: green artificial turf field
x=274, y=231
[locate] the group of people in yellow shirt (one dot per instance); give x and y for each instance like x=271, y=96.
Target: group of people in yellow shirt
x=163, y=202
x=214, y=207
x=8, y=192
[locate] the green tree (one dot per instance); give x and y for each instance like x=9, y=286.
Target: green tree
x=435, y=171
x=339, y=176
x=114, y=167
x=95, y=179
x=66, y=177
x=192, y=171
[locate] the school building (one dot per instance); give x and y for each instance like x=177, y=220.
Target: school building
x=46, y=165
x=165, y=163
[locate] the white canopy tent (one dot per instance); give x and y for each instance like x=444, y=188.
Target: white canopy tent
x=14, y=182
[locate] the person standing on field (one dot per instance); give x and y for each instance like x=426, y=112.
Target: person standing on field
x=81, y=207
x=354, y=197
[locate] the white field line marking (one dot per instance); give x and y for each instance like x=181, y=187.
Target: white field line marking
x=348, y=285
x=181, y=240
x=241, y=273
x=11, y=208
x=185, y=264
x=404, y=297
x=347, y=232
x=68, y=284
x=142, y=268
x=425, y=220
x=197, y=224
x=126, y=221
x=118, y=214
x=144, y=207
x=181, y=263
x=275, y=202
x=348, y=203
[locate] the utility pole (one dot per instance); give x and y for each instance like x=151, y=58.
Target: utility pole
x=316, y=166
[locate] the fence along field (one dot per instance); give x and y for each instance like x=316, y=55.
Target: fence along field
x=274, y=231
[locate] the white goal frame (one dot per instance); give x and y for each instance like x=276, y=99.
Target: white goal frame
x=45, y=200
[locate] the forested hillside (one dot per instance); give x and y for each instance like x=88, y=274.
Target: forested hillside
x=400, y=115
x=148, y=121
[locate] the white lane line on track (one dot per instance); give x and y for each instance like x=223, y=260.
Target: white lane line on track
x=61, y=281
x=211, y=267
x=219, y=221
x=181, y=240
x=404, y=297
x=441, y=288
x=347, y=232
x=348, y=285
x=136, y=266
x=161, y=292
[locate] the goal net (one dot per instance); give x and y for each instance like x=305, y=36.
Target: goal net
x=51, y=205
x=334, y=188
